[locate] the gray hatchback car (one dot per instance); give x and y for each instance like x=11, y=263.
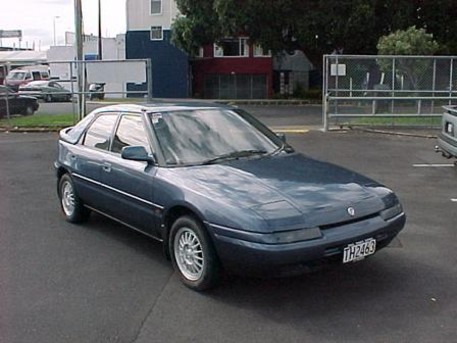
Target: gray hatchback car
x=221, y=191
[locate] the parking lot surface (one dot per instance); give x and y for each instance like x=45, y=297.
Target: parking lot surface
x=102, y=282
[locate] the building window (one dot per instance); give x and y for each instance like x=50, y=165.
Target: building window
x=232, y=47
x=156, y=6
x=260, y=52
x=156, y=33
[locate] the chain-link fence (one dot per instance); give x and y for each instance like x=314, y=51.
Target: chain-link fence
x=111, y=80
x=387, y=90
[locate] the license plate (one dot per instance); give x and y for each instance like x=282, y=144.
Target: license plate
x=359, y=250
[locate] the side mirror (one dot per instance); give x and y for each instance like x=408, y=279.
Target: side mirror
x=281, y=136
x=136, y=153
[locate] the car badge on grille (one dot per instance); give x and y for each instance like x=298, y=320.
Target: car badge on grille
x=351, y=211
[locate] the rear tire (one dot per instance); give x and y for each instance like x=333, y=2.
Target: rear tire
x=193, y=255
x=72, y=206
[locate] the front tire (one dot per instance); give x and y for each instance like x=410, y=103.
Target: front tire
x=193, y=255
x=72, y=206
x=29, y=110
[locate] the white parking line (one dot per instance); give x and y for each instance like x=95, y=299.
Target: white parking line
x=433, y=165
x=454, y=200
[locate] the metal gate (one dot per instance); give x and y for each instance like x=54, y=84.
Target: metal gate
x=117, y=76
x=235, y=86
x=387, y=90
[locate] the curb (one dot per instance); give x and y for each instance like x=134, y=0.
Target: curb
x=30, y=129
x=393, y=133
x=270, y=102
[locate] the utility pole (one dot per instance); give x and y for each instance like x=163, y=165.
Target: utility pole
x=54, y=26
x=79, y=58
x=100, y=30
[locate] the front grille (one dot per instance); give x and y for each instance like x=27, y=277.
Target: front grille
x=347, y=222
x=382, y=239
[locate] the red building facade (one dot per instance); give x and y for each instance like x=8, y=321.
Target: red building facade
x=232, y=69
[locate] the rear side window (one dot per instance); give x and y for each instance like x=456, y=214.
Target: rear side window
x=130, y=132
x=99, y=133
x=36, y=75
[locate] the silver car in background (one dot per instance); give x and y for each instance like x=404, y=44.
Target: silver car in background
x=447, y=138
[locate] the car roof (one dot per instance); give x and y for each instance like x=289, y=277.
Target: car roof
x=163, y=106
x=36, y=83
x=72, y=134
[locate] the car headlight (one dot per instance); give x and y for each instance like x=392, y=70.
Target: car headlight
x=391, y=212
x=291, y=236
x=294, y=236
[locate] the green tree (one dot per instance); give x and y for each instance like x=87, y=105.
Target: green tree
x=437, y=18
x=412, y=41
x=314, y=26
x=197, y=27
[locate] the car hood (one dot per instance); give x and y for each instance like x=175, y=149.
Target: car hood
x=289, y=190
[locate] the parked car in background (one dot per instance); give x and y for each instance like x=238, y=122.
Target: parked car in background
x=17, y=77
x=97, y=91
x=220, y=190
x=47, y=90
x=16, y=104
x=447, y=138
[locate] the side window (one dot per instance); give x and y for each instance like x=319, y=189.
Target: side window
x=99, y=133
x=36, y=75
x=130, y=132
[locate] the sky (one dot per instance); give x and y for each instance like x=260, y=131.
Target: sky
x=36, y=19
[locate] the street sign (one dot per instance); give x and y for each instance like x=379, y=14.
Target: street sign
x=10, y=33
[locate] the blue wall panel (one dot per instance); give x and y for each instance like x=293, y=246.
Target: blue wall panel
x=170, y=66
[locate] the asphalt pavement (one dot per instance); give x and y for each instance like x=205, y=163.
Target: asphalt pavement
x=102, y=282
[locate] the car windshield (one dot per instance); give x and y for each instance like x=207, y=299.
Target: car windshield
x=16, y=76
x=207, y=136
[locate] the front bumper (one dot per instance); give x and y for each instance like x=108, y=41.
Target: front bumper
x=285, y=258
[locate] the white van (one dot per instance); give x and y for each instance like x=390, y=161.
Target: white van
x=20, y=76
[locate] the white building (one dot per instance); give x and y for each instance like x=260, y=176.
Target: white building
x=144, y=14
x=112, y=49
x=149, y=37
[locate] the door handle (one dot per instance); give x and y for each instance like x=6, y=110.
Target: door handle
x=107, y=167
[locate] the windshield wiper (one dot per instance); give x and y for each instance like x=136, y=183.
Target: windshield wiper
x=235, y=155
x=284, y=147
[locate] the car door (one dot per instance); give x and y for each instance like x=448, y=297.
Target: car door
x=88, y=159
x=54, y=89
x=15, y=105
x=3, y=96
x=130, y=182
